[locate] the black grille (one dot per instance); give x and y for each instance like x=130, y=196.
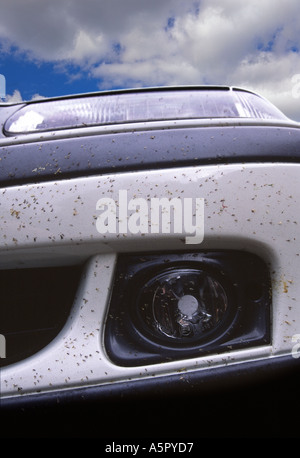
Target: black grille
x=34, y=306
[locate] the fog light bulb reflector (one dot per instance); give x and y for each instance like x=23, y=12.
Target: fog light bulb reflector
x=182, y=304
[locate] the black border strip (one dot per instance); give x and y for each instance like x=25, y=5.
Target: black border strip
x=58, y=159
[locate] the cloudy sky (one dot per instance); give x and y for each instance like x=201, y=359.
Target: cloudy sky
x=56, y=47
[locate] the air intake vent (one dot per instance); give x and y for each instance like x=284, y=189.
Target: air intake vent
x=34, y=306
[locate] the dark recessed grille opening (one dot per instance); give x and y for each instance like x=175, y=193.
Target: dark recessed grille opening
x=34, y=306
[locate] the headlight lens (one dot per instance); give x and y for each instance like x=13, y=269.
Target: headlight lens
x=184, y=304
x=139, y=106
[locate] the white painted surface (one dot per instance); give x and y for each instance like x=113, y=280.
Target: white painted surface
x=252, y=207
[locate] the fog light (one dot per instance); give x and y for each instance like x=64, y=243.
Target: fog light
x=183, y=304
x=174, y=306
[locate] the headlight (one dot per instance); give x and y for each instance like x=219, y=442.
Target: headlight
x=147, y=105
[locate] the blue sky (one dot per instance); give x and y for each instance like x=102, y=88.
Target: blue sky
x=59, y=47
x=45, y=78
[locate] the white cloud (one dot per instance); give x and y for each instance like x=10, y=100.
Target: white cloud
x=16, y=97
x=253, y=44
x=36, y=97
x=87, y=46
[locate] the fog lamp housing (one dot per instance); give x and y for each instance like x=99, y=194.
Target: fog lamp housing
x=181, y=306
x=176, y=306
